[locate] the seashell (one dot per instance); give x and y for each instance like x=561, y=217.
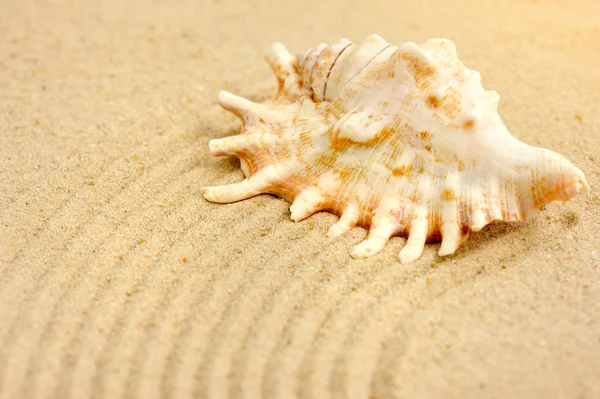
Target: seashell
x=402, y=140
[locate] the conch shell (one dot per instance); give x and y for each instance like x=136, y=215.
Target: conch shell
x=403, y=140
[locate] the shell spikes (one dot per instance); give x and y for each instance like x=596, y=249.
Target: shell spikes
x=402, y=140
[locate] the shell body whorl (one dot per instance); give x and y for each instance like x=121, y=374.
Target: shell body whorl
x=403, y=140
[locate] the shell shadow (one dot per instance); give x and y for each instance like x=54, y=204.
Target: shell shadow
x=494, y=231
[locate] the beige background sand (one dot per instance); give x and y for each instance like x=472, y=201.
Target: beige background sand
x=117, y=280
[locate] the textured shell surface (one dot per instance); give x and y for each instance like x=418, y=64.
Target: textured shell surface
x=402, y=140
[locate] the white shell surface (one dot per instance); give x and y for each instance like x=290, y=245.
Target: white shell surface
x=404, y=140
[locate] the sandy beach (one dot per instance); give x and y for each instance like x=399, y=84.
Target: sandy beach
x=118, y=280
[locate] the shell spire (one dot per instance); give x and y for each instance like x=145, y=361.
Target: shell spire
x=402, y=140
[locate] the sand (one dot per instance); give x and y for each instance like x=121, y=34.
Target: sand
x=118, y=280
